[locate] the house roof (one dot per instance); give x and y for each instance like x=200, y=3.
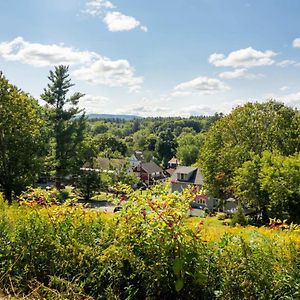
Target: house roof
x=185, y=170
x=170, y=171
x=104, y=163
x=151, y=167
x=173, y=160
x=196, y=175
x=139, y=155
x=199, y=179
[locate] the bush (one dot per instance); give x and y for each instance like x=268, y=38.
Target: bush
x=148, y=250
x=221, y=215
x=239, y=218
x=39, y=196
x=45, y=197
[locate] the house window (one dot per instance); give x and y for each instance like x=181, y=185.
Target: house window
x=181, y=176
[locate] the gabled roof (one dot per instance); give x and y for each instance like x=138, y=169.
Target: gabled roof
x=185, y=170
x=139, y=155
x=170, y=171
x=195, y=178
x=173, y=160
x=199, y=179
x=151, y=167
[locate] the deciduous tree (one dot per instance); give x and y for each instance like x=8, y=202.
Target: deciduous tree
x=166, y=146
x=247, y=130
x=21, y=138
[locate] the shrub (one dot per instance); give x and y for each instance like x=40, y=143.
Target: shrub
x=149, y=250
x=239, y=218
x=45, y=197
x=221, y=215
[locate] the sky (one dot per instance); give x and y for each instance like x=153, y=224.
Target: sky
x=156, y=58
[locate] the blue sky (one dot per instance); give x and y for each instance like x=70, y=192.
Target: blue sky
x=156, y=58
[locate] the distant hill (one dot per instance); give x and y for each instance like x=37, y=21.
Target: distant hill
x=108, y=116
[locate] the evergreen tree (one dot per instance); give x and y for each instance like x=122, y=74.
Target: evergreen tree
x=68, y=127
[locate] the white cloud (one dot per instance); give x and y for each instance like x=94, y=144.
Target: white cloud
x=111, y=73
x=195, y=110
x=144, y=28
x=161, y=108
x=292, y=99
x=97, y=7
x=286, y=63
x=41, y=55
x=284, y=88
x=89, y=66
x=93, y=103
x=200, y=85
x=233, y=74
x=243, y=58
x=296, y=43
x=146, y=108
x=116, y=21
x=239, y=73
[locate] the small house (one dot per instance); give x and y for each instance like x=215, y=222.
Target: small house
x=186, y=176
x=149, y=172
x=136, y=159
x=173, y=163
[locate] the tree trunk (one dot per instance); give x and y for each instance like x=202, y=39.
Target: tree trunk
x=58, y=178
x=264, y=216
x=8, y=194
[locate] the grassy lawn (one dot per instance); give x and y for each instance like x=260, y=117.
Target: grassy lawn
x=104, y=196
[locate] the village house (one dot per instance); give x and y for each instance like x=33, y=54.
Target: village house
x=104, y=164
x=136, y=159
x=186, y=176
x=173, y=164
x=149, y=172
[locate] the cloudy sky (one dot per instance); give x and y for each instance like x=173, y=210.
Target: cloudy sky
x=158, y=57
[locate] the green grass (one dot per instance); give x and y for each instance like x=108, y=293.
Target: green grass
x=103, y=196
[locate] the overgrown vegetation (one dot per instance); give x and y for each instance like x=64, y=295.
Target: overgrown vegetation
x=149, y=250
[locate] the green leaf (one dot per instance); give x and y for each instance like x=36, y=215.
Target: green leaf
x=179, y=285
x=177, y=265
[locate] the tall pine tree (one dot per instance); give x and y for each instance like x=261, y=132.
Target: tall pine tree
x=68, y=126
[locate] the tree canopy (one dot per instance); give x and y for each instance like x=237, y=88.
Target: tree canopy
x=166, y=146
x=232, y=156
x=189, y=144
x=22, y=138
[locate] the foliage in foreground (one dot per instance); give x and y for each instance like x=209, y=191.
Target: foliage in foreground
x=22, y=138
x=149, y=250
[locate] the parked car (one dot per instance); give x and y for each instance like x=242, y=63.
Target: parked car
x=197, y=205
x=117, y=208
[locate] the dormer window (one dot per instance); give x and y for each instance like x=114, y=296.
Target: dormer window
x=181, y=176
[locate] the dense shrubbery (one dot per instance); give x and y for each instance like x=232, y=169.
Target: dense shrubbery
x=149, y=250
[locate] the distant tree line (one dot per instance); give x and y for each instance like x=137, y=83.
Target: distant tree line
x=251, y=154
